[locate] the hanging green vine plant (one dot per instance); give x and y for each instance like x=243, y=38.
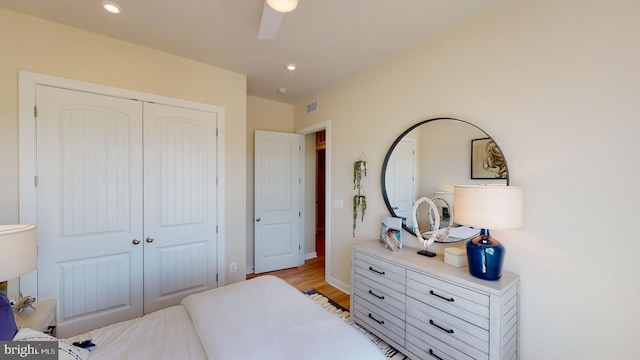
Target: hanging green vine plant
x=359, y=199
x=359, y=169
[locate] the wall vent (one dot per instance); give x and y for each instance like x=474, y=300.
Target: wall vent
x=312, y=106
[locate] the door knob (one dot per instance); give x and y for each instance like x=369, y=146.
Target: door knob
x=135, y=241
x=258, y=219
x=149, y=240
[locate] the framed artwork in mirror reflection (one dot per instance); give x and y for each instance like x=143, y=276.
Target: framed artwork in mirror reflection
x=487, y=161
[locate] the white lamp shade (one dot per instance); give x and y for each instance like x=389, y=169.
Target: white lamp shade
x=488, y=206
x=283, y=6
x=18, y=250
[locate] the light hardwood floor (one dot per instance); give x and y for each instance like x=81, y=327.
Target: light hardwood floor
x=311, y=275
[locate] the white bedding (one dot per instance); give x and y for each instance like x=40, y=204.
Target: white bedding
x=164, y=334
x=266, y=318
x=263, y=318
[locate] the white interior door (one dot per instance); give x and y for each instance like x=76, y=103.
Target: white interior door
x=278, y=211
x=180, y=216
x=401, y=179
x=89, y=212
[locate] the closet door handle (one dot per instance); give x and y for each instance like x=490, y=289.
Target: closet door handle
x=149, y=240
x=135, y=241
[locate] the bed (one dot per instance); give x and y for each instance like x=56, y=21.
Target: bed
x=262, y=318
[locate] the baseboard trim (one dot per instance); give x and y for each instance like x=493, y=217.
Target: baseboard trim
x=339, y=285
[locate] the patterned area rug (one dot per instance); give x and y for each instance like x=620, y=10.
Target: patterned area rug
x=336, y=309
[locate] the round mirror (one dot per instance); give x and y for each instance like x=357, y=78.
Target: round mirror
x=432, y=156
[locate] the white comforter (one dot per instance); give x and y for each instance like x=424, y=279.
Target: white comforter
x=165, y=334
x=263, y=318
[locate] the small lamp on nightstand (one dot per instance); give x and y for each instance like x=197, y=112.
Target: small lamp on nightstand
x=18, y=251
x=487, y=207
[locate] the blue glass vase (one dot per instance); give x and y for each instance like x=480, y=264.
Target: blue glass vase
x=485, y=256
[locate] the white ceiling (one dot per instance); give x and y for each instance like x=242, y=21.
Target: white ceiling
x=329, y=40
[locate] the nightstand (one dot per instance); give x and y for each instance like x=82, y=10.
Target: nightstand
x=43, y=318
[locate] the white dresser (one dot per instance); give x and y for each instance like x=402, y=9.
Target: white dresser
x=430, y=310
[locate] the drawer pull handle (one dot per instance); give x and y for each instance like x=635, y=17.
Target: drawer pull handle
x=381, y=322
x=441, y=297
x=376, y=271
x=376, y=295
x=434, y=355
x=448, y=331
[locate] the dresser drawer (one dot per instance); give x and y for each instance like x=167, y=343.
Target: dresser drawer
x=425, y=346
x=449, y=329
x=385, y=273
x=378, y=295
x=458, y=301
x=378, y=320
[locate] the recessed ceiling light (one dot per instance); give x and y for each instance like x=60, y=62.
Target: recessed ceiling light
x=291, y=67
x=282, y=91
x=111, y=7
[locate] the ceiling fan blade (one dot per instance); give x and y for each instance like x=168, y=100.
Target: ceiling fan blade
x=270, y=23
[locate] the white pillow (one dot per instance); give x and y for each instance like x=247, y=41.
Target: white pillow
x=66, y=351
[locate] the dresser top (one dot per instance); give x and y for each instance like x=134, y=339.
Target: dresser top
x=437, y=267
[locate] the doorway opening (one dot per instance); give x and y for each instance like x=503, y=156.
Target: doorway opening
x=320, y=166
x=317, y=192
x=320, y=265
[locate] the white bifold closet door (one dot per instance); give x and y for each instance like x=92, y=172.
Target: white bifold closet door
x=179, y=204
x=126, y=205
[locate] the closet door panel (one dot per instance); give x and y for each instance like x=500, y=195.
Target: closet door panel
x=89, y=168
x=180, y=203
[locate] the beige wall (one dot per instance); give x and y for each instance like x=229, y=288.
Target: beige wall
x=557, y=83
x=40, y=46
x=266, y=115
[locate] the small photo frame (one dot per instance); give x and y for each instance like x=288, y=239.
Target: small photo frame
x=391, y=232
x=487, y=161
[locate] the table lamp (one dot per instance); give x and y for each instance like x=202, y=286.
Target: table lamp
x=487, y=207
x=18, y=251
